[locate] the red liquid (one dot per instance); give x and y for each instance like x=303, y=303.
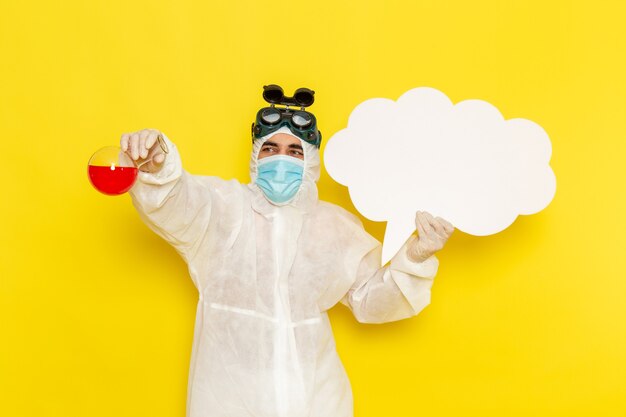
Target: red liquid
x=112, y=181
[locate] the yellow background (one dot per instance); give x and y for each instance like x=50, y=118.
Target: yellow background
x=96, y=312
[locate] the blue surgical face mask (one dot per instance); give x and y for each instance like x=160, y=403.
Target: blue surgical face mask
x=279, y=177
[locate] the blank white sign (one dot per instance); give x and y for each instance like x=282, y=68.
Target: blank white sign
x=462, y=162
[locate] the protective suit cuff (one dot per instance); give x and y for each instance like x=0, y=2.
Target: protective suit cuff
x=171, y=170
x=425, y=269
x=415, y=290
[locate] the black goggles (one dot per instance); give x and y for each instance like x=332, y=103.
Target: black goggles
x=300, y=122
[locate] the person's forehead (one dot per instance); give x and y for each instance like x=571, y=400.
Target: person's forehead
x=284, y=139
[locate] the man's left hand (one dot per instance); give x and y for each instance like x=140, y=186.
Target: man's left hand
x=432, y=234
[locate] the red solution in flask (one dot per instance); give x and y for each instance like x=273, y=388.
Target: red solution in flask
x=112, y=180
x=113, y=172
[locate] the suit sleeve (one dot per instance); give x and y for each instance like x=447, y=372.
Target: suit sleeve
x=173, y=203
x=397, y=291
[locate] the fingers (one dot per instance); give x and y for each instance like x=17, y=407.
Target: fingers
x=144, y=148
x=435, y=227
x=154, y=164
x=432, y=236
x=151, y=139
x=422, y=218
x=143, y=151
x=139, y=144
x=448, y=227
x=159, y=159
x=418, y=224
x=430, y=224
x=124, y=141
x=134, y=146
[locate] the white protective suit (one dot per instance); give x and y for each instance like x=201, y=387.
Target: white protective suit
x=266, y=276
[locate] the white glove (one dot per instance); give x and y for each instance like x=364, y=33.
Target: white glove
x=432, y=234
x=146, y=148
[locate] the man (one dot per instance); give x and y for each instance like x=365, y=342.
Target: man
x=269, y=259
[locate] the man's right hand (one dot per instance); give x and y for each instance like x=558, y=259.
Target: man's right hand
x=144, y=148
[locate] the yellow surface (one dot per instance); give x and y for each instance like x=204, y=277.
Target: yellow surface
x=96, y=312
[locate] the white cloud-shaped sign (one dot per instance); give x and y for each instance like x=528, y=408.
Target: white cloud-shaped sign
x=462, y=162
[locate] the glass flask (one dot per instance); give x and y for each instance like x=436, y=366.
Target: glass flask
x=113, y=172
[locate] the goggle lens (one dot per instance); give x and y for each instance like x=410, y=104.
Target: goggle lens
x=270, y=116
x=273, y=93
x=301, y=119
x=303, y=97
